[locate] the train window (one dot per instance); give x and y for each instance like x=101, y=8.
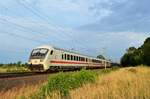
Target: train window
x=96, y=61
x=83, y=59
x=62, y=56
x=71, y=57
x=74, y=57
x=68, y=57
x=77, y=58
x=65, y=57
x=86, y=59
x=51, y=52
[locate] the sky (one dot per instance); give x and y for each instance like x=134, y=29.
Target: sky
x=91, y=27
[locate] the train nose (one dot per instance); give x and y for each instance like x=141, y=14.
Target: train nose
x=36, y=68
x=35, y=61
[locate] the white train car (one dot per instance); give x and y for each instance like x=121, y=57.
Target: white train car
x=45, y=58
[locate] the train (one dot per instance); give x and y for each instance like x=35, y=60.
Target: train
x=46, y=57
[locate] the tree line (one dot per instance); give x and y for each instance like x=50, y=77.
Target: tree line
x=137, y=56
x=19, y=63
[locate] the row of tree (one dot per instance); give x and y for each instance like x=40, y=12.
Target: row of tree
x=137, y=56
x=19, y=63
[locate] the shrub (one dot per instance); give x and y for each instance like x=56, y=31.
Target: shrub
x=63, y=82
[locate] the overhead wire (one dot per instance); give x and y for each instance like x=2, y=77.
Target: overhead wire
x=39, y=15
x=36, y=12
x=25, y=28
x=20, y=26
x=23, y=37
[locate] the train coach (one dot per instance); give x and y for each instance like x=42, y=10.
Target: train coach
x=46, y=58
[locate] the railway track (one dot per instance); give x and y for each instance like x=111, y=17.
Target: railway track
x=25, y=74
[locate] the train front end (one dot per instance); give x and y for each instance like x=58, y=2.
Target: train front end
x=38, y=59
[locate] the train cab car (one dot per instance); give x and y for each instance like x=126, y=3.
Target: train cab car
x=38, y=58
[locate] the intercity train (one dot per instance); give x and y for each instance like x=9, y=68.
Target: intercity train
x=45, y=58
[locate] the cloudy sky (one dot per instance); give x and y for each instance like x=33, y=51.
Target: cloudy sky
x=91, y=27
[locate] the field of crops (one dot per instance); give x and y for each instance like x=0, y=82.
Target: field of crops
x=123, y=83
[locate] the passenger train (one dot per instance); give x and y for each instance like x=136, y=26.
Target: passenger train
x=46, y=58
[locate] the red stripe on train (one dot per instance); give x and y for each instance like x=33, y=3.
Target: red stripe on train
x=66, y=62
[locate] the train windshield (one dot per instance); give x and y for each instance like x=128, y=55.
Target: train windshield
x=39, y=53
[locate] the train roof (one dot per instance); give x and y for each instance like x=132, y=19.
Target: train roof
x=73, y=52
x=45, y=46
x=52, y=47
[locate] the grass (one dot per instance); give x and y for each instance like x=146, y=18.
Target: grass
x=124, y=83
x=19, y=93
x=13, y=69
x=130, y=83
x=64, y=82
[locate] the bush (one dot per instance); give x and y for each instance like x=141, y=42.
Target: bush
x=63, y=82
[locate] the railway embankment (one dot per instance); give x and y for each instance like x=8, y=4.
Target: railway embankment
x=124, y=83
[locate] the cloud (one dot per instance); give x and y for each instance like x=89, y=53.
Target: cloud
x=126, y=16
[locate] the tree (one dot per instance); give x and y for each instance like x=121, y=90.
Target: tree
x=131, y=57
x=138, y=56
x=1, y=64
x=100, y=57
x=146, y=51
x=19, y=63
x=131, y=50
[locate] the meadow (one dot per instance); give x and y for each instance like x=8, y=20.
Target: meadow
x=122, y=83
x=13, y=69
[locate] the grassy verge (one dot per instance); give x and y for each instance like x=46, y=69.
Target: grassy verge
x=62, y=83
x=124, y=83
x=59, y=84
x=128, y=83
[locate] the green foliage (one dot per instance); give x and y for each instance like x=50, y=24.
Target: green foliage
x=146, y=51
x=63, y=82
x=13, y=67
x=134, y=57
x=131, y=50
x=100, y=57
x=19, y=63
x=1, y=64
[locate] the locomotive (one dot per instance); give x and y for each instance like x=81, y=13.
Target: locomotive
x=44, y=58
